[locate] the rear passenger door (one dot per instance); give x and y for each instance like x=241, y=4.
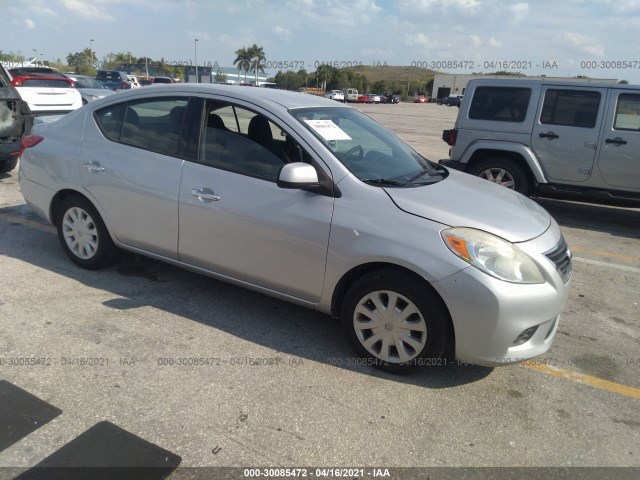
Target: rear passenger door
x=619, y=159
x=131, y=168
x=565, y=133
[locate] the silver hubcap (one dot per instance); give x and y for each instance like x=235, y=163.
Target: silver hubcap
x=389, y=326
x=80, y=233
x=499, y=176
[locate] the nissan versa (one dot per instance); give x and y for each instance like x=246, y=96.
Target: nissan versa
x=312, y=202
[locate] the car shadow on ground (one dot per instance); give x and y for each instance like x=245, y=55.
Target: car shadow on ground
x=138, y=281
x=618, y=221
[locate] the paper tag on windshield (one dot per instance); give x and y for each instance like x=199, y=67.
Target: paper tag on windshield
x=328, y=130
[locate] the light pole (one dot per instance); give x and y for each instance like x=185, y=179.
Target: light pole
x=195, y=58
x=35, y=54
x=91, y=52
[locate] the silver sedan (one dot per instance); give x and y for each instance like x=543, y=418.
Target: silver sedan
x=312, y=202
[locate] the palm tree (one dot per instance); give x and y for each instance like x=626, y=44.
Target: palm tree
x=257, y=58
x=324, y=72
x=242, y=61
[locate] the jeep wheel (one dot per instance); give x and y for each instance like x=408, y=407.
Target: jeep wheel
x=8, y=164
x=503, y=171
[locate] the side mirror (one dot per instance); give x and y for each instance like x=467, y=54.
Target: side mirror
x=298, y=175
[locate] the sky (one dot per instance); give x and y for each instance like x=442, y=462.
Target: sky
x=595, y=38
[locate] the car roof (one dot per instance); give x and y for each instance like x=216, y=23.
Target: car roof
x=519, y=81
x=265, y=97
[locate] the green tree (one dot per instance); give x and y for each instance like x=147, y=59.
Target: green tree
x=220, y=77
x=82, y=62
x=258, y=58
x=242, y=62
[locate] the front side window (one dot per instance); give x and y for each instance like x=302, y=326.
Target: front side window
x=627, y=112
x=153, y=125
x=242, y=141
x=572, y=108
x=500, y=104
x=370, y=151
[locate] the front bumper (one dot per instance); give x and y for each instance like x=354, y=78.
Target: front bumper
x=500, y=323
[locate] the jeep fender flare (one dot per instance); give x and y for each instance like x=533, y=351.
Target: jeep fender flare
x=515, y=148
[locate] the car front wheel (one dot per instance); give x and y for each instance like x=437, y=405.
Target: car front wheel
x=83, y=235
x=395, y=322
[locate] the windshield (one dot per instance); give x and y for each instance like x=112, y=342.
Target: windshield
x=371, y=152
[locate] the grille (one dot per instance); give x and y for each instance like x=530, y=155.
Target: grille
x=561, y=258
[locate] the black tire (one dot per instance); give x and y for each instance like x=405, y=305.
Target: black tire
x=505, y=172
x=8, y=164
x=432, y=316
x=96, y=249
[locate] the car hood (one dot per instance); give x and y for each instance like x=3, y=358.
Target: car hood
x=462, y=200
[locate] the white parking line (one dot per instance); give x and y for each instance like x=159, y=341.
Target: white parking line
x=607, y=264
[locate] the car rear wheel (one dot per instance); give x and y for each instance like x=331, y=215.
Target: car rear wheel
x=396, y=322
x=83, y=235
x=504, y=172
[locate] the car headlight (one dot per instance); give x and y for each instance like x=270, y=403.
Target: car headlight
x=492, y=255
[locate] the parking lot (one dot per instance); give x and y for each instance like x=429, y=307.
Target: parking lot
x=212, y=375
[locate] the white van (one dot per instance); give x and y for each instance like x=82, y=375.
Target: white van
x=350, y=95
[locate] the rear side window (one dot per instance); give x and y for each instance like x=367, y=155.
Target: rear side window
x=627, y=112
x=572, y=108
x=153, y=125
x=500, y=104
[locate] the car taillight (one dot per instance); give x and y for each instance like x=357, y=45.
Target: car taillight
x=450, y=136
x=16, y=82
x=123, y=85
x=28, y=141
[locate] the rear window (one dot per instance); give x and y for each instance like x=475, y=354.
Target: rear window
x=35, y=72
x=572, y=108
x=46, y=83
x=500, y=104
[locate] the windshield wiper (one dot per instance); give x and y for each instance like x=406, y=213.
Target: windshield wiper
x=423, y=172
x=384, y=181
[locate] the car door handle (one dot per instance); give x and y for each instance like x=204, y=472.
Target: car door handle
x=616, y=141
x=202, y=195
x=550, y=135
x=93, y=166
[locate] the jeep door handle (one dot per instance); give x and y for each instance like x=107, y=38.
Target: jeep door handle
x=205, y=195
x=550, y=135
x=616, y=141
x=93, y=166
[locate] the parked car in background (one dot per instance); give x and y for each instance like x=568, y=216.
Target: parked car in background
x=16, y=121
x=420, y=99
x=350, y=95
x=167, y=80
x=363, y=98
x=415, y=259
x=392, y=98
x=113, y=79
x=450, y=101
x=46, y=90
x=375, y=98
x=551, y=138
x=336, y=95
x=145, y=81
x=89, y=88
x=133, y=80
